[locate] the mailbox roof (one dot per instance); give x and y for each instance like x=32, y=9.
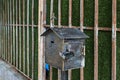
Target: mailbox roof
x=66, y=33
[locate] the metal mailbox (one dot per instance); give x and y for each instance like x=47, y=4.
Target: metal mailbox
x=64, y=48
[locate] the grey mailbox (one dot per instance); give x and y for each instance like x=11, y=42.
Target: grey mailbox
x=64, y=48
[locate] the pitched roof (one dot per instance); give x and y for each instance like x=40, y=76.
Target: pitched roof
x=66, y=33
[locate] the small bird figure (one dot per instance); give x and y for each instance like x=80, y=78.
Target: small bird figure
x=52, y=20
x=53, y=17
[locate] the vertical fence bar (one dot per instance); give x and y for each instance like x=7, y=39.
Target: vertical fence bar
x=51, y=25
x=16, y=34
x=44, y=22
x=1, y=31
x=32, y=39
x=5, y=32
x=59, y=25
x=70, y=25
x=51, y=13
x=114, y=3
x=20, y=54
x=24, y=36
x=8, y=31
x=13, y=33
x=0, y=34
x=51, y=73
x=44, y=11
x=28, y=70
x=70, y=13
x=59, y=74
x=6, y=48
x=41, y=56
x=96, y=41
x=3, y=28
x=81, y=14
x=59, y=13
x=81, y=28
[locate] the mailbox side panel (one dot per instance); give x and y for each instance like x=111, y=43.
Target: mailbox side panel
x=53, y=46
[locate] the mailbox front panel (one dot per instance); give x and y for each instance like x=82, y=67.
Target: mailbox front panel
x=77, y=58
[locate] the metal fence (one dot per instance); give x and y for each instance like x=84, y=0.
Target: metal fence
x=17, y=33
x=23, y=20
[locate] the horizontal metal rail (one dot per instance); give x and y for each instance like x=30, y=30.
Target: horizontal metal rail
x=89, y=28
x=84, y=27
